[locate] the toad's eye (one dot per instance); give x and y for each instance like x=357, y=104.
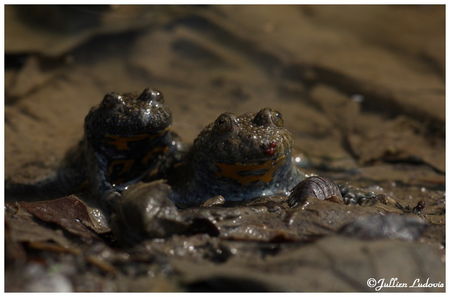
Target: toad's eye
x=277, y=119
x=158, y=96
x=225, y=123
x=111, y=100
x=151, y=95
x=267, y=117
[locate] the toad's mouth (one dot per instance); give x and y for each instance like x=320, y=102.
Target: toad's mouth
x=250, y=172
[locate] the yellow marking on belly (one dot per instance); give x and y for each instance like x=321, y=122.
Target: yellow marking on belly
x=234, y=171
x=153, y=152
x=121, y=142
x=126, y=166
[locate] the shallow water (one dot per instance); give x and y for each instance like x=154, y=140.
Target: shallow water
x=363, y=99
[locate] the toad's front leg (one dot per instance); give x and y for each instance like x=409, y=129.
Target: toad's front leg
x=101, y=187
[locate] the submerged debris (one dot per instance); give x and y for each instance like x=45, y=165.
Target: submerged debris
x=146, y=211
x=71, y=214
x=392, y=226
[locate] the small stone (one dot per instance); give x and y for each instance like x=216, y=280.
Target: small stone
x=350, y=195
x=213, y=201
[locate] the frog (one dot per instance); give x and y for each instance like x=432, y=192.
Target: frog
x=127, y=138
x=239, y=157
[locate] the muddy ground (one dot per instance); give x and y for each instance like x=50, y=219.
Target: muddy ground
x=360, y=87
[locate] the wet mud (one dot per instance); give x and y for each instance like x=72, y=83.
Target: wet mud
x=361, y=88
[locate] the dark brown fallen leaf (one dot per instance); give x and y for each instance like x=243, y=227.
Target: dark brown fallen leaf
x=52, y=247
x=14, y=252
x=68, y=212
x=251, y=223
x=22, y=228
x=145, y=211
x=101, y=264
